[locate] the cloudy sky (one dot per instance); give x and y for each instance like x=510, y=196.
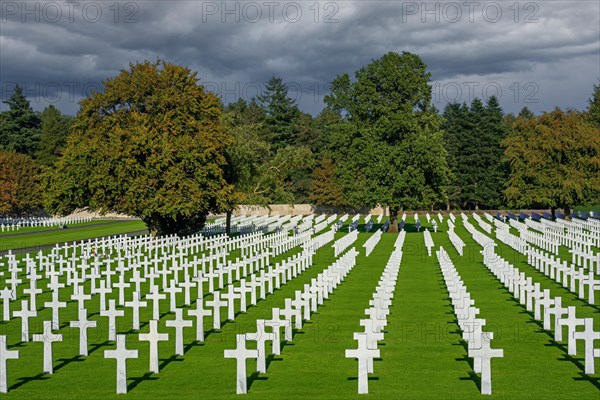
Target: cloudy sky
x=538, y=54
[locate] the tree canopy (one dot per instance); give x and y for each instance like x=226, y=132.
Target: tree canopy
x=389, y=144
x=151, y=145
x=554, y=161
x=54, y=129
x=19, y=183
x=20, y=125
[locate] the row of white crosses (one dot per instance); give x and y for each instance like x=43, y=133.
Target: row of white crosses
x=553, y=315
x=482, y=224
x=578, y=235
x=379, y=309
x=344, y=242
x=299, y=308
x=13, y=224
x=545, y=307
x=111, y=312
x=372, y=241
x=428, y=241
x=478, y=341
x=298, y=265
x=577, y=280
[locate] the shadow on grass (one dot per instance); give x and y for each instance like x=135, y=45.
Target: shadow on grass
x=137, y=380
x=255, y=377
x=195, y=343
x=591, y=379
x=98, y=346
x=371, y=378
x=66, y=361
x=272, y=358
x=22, y=381
x=473, y=377
x=167, y=361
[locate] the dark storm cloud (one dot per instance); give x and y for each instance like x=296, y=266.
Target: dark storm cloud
x=539, y=54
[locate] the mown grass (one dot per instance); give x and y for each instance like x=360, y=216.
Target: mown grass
x=38, y=240
x=422, y=356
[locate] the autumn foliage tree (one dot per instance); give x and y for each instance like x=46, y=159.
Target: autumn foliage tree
x=325, y=189
x=554, y=161
x=19, y=184
x=150, y=145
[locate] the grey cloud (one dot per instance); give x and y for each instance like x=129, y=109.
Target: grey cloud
x=238, y=56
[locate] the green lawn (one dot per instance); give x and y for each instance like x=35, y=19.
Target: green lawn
x=35, y=229
x=68, y=235
x=422, y=356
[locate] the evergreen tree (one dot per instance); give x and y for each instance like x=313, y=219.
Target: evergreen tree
x=20, y=126
x=593, y=110
x=454, y=125
x=478, y=165
x=526, y=113
x=281, y=112
x=53, y=136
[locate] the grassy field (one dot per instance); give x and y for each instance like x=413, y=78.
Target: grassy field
x=35, y=229
x=43, y=238
x=422, y=356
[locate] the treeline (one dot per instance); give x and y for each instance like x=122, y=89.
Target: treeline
x=155, y=144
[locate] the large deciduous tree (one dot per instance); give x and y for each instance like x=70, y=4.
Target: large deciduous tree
x=19, y=184
x=389, y=148
x=554, y=161
x=151, y=145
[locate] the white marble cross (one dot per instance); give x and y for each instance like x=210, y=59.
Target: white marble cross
x=122, y=285
x=5, y=355
x=135, y=304
x=153, y=337
x=216, y=303
x=261, y=337
x=558, y=311
x=588, y=336
x=179, y=324
x=112, y=313
x=155, y=295
x=121, y=354
x=83, y=324
x=6, y=294
x=571, y=322
x=173, y=289
x=230, y=297
x=485, y=353
x=47, y=338
x=25, y=313
x=199, y=312
x=80, y=297
x=363, y=353
x=241, y=354
x=55, y=305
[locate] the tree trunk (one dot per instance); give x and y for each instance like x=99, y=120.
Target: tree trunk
x=159, y=225
x=394, y=219
x=553, y=210
x=567, y=210
x=228, y=223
